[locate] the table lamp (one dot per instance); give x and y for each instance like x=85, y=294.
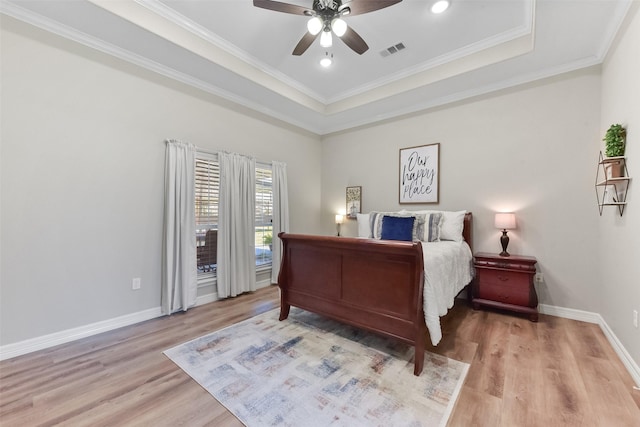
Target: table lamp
x=505, y=221
x=339, y=220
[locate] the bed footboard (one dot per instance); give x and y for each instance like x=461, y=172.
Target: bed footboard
x=371, y=284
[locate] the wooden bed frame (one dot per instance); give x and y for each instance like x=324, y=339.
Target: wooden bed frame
x=371, y=284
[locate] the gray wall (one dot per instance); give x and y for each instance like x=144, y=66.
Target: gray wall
x=619, y=249
x=82, y=173
x=532, y=149
x=529, y=150
x=82, y=163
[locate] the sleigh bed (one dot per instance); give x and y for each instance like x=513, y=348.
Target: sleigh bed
x=373, y=284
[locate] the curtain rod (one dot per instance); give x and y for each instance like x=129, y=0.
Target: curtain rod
x=215, y=153
x=212, y=153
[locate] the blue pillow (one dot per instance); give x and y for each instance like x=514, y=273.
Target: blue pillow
x=397, y=228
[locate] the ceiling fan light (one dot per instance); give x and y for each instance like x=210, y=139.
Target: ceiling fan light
x=440, y=6
x=327, y=60
x=314, y=25
x=325, y=39
x=339, y=26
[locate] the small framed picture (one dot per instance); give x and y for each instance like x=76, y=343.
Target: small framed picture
x=420, y=174
x=354, y=202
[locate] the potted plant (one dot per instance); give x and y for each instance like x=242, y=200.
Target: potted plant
x=615, y=139
x=267, y=239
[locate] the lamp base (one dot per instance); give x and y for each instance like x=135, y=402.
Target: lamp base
x=504, y=241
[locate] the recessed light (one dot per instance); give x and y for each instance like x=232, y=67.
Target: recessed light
x=440, y=6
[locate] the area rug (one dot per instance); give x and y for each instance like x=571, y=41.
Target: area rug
x=312, y=371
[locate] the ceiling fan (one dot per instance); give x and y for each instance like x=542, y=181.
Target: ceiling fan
x=326, y=17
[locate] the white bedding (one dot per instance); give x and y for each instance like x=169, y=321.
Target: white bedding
x=448, y=269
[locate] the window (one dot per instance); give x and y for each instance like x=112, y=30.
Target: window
x=207, y=186
x=264, y=215
x=207, y=189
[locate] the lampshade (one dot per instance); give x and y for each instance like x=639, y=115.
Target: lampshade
x=325, y=39
x=314, y=25
x=339, y=219
x=339, y=27
x=505, y=221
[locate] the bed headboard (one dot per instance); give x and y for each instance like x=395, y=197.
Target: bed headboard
x=467, y=230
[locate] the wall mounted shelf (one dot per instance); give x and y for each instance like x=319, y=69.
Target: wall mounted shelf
x=612, y=190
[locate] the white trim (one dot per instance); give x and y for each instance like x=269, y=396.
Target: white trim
x=74, y=35
x=46, y=341
x=586, y=316
x=322, y=126
x=622, y=352
x=570, y=313
x=213, y=296
x=200, y=31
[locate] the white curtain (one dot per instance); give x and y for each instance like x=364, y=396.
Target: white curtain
x=179, y=278
x=236, y=225
x=280, y=214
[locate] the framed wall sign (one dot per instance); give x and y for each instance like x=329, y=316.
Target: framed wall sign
x=354, y=202
x=420, y=174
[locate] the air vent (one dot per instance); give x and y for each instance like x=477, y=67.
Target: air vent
x=392, y=49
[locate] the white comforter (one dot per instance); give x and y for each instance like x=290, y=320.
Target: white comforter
x=448, y=268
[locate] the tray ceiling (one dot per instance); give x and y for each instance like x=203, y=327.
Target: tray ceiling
x=242, y=53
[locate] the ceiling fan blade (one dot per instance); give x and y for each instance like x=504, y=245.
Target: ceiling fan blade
x=358, y=7
x=304, y=43
x=354, y=41
x=281, y=7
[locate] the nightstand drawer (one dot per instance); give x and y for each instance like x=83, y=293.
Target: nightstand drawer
x=503, y=278
x=504, y=292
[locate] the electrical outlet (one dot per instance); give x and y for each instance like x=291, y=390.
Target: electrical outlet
x=539, y=278
x=635, y=318
x=136, y=283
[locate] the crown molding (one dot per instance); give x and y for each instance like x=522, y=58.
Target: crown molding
x=184, y=37
x=191, y=26
x=462, y=95
x=521, y=31
x=31, y=18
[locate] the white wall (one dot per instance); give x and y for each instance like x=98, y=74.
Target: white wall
x=528, y=149
x=82, y=164
x=619, y=251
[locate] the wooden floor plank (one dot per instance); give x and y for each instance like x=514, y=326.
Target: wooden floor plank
x=556, y=372
x=523, y=404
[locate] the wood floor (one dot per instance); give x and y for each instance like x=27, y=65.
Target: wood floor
x=556, y=372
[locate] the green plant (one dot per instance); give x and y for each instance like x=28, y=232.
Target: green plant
x=614, y=140
x=267, y=239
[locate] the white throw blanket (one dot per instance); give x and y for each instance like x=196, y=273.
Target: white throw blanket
x=448, y=268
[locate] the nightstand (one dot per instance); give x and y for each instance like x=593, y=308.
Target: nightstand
x=505, y=283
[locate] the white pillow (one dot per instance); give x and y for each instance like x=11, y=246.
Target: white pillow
x=451, y=226
x=364, y=229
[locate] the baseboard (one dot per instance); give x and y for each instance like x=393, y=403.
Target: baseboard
x=622, y=352
x=586, y=316
x=46, y=341
x=570, y=313
x=213, y=296
x=40, y=343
